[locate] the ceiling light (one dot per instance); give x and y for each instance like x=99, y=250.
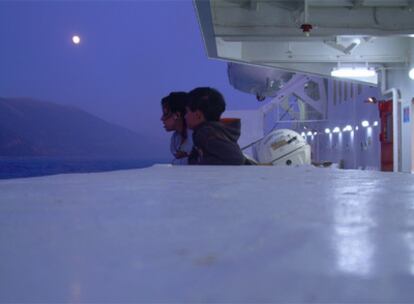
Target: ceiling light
x=375, y=123
x=353, y=72
x=365, y=123
x=347, y=128
x=336, y=130
x=356, y=41
x=371, y=100
x=411, y=74
x=309, y=133
x=327, y=130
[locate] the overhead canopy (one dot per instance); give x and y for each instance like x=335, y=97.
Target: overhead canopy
x=311, y=36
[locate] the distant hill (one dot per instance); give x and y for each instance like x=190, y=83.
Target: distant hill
x=36, y=128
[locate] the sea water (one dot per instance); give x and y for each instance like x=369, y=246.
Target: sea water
x=39, y=166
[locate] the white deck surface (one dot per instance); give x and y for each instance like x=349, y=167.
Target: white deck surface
x=208, y=234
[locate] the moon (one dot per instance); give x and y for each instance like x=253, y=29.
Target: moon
x=76, y=39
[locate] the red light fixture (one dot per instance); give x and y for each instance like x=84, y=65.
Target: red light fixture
x=306, y=28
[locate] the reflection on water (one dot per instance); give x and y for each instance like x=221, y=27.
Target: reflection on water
x=352, y=231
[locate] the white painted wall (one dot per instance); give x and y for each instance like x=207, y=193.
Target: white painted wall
x=412, y=136
x=399, y=79
x=357, y=149
x=410, y=102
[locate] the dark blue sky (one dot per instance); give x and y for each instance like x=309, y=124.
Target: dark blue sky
x=132, y=54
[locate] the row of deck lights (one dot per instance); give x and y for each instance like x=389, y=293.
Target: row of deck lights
x=347, y=128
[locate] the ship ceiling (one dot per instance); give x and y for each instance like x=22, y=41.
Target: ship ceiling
x=277, y=33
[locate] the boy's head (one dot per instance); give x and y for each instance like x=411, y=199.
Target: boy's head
x=173, y=109
x=205, y=104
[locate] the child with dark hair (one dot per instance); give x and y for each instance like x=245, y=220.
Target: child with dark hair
x=215, y=141
x=173, y=112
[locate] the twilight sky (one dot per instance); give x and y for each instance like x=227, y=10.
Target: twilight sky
x=132, y=53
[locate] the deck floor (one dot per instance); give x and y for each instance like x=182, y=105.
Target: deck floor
x=208, y=234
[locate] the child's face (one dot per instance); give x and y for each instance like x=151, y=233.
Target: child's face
x=193, y=119
x=168, y=119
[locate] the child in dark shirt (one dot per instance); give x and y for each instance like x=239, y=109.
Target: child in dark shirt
x=215, y=141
